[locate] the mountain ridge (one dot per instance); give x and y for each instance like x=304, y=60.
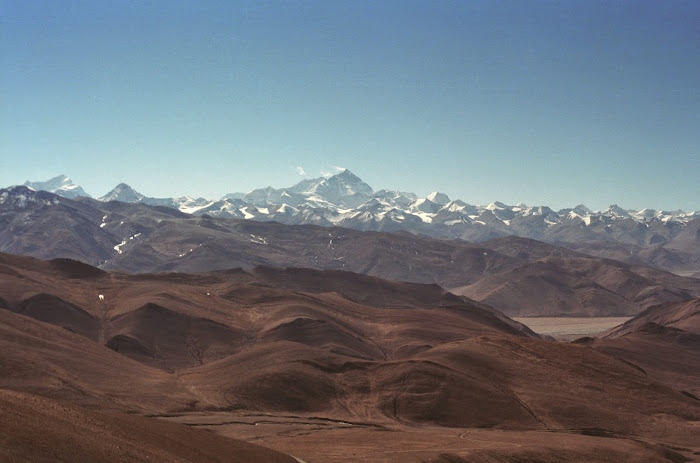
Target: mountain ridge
x=648, y=237
x=140, y=238
x=60, y=185
x=336, y=189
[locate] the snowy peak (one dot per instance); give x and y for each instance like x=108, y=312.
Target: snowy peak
x=342, y=189
x=345, y=183
x=616, y=211
x=126, y=194
x=60, y=185
x=425, y=205
x=461, y=207
x=123, y=193
x=60, y=181
x=582, y=210
x=348, y=178
x=496, y=205
x=438, y=198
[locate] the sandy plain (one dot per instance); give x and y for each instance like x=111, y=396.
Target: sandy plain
x=570, y=328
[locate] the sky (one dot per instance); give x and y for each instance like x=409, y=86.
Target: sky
x=541, y=102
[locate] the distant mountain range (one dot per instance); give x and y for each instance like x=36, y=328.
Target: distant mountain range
x=518, y=276
x=345, y=200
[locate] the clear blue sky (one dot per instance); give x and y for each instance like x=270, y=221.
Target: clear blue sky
x=545, y=102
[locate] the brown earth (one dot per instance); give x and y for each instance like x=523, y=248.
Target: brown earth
x=579, y=287
x=680, y=315
x=36, y=429
x=664, y=342
x=372, y=357
x=320, y=441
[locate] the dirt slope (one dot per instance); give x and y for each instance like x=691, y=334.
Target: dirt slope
x=579, y=286
x=35, y=429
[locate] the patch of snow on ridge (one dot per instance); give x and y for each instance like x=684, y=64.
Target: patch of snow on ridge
x=425, y=217
x=286, y=208
x=118, y=247
x=258, y=239
x=21, y=201
x=193, y=209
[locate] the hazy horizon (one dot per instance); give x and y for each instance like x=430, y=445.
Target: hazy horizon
x=544, y=103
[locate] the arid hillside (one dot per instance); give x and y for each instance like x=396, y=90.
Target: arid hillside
x=663, y=341
x=330, y=349
x=579, y=286
x=36, y=429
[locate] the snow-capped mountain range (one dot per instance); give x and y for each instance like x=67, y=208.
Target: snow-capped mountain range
x=345, y=200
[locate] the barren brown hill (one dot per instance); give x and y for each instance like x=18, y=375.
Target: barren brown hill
x=579, y=286
x=36, y=429
x=493, y=382
x=163, y=319
x=567, y=386
x=666, y=354
x=50, y=361
x=263, y=346
x=663, y=341
x=359, y=288
x=680, y=315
